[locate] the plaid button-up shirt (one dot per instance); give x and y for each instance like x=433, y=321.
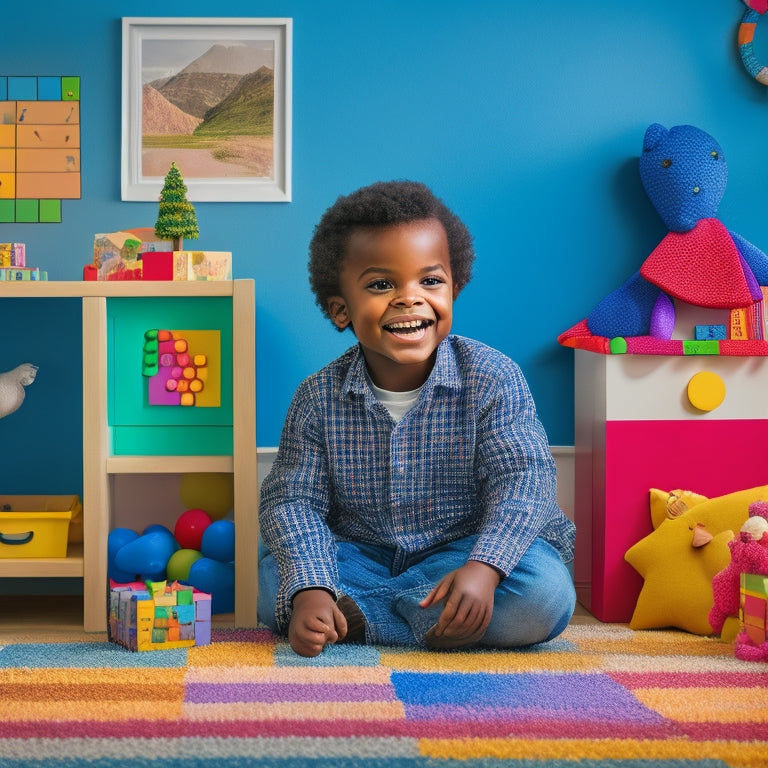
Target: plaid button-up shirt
x=470, y=457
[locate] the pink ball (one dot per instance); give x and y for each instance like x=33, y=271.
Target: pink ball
x=190, y=528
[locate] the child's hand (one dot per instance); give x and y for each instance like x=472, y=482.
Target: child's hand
x=468, y=594
x=315, y=622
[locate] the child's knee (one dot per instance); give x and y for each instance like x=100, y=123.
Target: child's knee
x=535, y=615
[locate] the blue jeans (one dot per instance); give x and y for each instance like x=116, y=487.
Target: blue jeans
x=531, y=605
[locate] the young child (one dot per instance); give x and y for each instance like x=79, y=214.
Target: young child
x=412, y=500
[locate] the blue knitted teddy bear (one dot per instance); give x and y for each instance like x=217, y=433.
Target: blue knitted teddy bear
x=699, y=261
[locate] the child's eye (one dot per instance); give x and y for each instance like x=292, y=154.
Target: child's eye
x=380, y=285
x=432, y=280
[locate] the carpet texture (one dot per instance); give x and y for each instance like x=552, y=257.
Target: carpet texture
x=597, y=697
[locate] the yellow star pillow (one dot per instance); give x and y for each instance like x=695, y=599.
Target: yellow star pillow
x=678, y=561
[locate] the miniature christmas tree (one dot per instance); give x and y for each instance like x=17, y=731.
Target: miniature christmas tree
x=176, y=217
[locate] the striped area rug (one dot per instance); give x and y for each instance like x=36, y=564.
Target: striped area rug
x=597, y=697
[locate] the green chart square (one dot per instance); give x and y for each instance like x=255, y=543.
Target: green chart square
x=50, y=211
x=7, y=211
x=27, y=211
x=70, y=89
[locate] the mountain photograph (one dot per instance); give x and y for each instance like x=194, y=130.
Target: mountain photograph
x=212, y=115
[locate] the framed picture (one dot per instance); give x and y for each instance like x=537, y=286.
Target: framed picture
x=212, y=96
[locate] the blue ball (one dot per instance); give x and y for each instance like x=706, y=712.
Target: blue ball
x=218, y=580
x=148, y=554
x=219, y=541
x=117, y=539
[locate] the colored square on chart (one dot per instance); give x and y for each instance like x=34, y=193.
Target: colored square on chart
x=7, y=186
x=27, y=211
x=22, y=88
x=70, y=89
x=49, y=88
x=7, y=211
x=50, y=211
x=3, y=88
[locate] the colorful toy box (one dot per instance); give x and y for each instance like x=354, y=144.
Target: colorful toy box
x=753, y=610
x=13, y=255
x=36, y=526
x=158, y=615
x=117, y=255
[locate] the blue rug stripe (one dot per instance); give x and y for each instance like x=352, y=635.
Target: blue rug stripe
x=595, y=696
x=87, y=656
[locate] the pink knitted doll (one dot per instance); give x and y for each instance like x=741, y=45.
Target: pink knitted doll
x=749, y=554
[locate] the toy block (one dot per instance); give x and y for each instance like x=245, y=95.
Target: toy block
x=738, y=325
x=202, y=265
x=704, y=332
x=157, y=265
x=158, y=616
x=13, y=255
x=753, y=607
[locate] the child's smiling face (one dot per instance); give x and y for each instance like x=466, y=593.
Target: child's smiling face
x=396, y=292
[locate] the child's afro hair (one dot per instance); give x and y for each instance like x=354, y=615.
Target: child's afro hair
x=382, y=204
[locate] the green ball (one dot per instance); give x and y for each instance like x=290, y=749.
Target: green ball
x=180, y=562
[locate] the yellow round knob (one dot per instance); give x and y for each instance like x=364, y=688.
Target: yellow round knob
x=706, y=391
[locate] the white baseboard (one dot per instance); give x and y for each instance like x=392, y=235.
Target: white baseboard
x=564, y=456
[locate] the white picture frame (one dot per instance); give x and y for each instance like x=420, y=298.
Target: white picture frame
x=163, y=53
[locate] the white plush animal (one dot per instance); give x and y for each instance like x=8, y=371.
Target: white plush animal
x=12, y=385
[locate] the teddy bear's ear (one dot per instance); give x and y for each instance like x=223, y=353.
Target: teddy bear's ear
x=653, y=136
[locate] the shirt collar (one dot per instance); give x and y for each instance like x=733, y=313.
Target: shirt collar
x=444, y=374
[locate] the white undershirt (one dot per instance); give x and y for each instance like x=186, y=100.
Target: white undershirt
x=397, y=403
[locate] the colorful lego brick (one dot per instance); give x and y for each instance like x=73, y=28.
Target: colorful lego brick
x=704, y=332
x=158, y=615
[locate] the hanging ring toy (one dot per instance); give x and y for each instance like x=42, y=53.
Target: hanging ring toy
x=746, y=34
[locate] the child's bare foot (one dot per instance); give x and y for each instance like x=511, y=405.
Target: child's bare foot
x=355, y=620
x=445, y=642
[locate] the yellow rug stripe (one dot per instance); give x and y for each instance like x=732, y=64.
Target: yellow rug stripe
x=91, y=711
x=733, y=753
x=231, y=655
x=296, y=710
x=708, y=705
x=149, y=676
x=662, y=663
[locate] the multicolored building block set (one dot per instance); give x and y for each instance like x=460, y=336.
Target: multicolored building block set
x=158, y=615
x=754, y=607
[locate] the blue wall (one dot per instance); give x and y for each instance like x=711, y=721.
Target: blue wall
x=525, y=119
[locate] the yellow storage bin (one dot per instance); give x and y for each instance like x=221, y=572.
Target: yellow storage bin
x=36, y=526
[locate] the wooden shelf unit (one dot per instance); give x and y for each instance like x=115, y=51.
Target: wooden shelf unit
x=89, y=560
